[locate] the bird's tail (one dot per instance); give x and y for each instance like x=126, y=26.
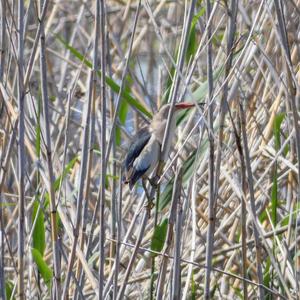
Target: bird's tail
x=126, y=180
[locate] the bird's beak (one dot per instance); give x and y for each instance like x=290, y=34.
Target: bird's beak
x=183, y=105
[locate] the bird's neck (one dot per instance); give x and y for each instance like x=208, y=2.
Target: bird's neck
x=158, y=130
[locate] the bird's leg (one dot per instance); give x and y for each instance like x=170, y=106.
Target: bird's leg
x=154, y=181
x=150, y=203
x=145, y=189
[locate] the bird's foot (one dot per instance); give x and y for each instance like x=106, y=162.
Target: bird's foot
x=148, y=206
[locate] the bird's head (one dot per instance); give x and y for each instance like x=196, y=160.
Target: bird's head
x=164, y=111
x=159, y=121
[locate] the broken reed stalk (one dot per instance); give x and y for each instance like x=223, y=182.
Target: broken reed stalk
x=47, y=144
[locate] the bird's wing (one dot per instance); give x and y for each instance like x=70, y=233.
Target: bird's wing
x=138, y=143
x=146, y=161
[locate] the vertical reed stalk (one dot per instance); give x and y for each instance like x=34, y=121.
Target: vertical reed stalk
x=2, y=39
x=211, y=199
x=118, y=244
x=243, y=217
x=176, y=80
x=85, y=151
x=2, y=251
x=5, y=158
x=252, y=201
x=122, y=85
x=21, y=151
x=2, y=66
x=176, y=278
x=170, y=234
x=103, y=145
x=143, y=224
x=34, y=50
x=292, y=95
x=163, y=157
x=47, y=144
x=82, y=238
x=231, y=31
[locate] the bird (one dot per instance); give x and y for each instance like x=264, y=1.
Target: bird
x=144, y=152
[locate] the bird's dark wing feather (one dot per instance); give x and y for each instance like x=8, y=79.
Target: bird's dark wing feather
x=135, y=176
x=139, y=142
x=145, y=163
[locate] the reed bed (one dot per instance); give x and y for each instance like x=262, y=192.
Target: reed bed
x=78, y=79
